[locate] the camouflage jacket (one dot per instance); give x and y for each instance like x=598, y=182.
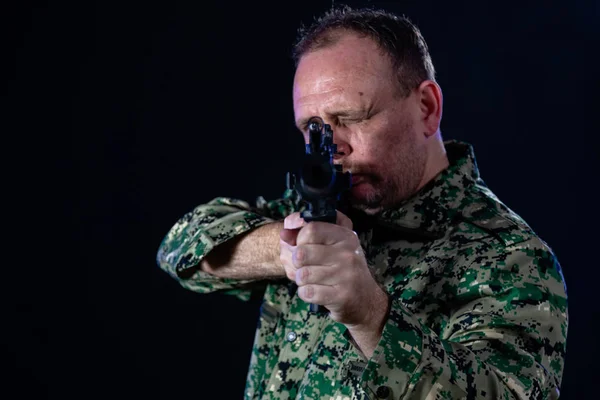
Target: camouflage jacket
x=478, y=300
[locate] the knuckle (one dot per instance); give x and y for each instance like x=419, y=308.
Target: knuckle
x=300, y=253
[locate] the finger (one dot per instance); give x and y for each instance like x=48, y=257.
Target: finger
x=318, y=294
x=316, y=232
x=289, y=236
x=343, y=220
x=317, y=275
x=285, y=257
x=293, y=221
x=316, y=254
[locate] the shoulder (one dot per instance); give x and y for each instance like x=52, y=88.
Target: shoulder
x=482, y=215
x=487, y=232
x=495, y=244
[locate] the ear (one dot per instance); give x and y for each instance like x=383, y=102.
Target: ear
x=430, y=105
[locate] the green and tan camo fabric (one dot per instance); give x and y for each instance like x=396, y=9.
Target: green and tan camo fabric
x=478, y=301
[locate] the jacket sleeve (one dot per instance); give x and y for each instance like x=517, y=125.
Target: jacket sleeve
x=505, y=339
x=208, y=225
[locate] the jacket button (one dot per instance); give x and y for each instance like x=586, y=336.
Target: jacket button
x=383, y=392
x=291, y=336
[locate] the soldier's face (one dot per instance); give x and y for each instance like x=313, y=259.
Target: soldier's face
x=352, y=86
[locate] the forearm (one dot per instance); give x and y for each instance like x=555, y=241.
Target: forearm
x=252, y=255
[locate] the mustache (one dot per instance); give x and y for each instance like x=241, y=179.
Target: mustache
x=353, y=170
x=365, y=174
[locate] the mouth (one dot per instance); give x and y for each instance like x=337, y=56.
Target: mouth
x=357, y=179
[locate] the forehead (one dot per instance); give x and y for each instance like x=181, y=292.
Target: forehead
x=352, y=63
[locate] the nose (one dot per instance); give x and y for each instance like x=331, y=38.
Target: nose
x=342, y=150
x=343, y=147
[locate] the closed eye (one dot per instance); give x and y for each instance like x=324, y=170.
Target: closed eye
x=350, y=121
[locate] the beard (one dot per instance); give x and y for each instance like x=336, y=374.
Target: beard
x=391, y=184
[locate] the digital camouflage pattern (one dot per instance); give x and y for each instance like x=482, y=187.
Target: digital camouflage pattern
x=478, y=301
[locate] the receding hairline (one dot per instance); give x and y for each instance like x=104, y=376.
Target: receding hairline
x=333, y=36
x=396, y=35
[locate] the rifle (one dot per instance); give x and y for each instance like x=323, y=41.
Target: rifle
x=319, y=182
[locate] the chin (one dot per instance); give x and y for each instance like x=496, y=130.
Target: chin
x=366, y=198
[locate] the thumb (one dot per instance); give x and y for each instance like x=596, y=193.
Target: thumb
x=343, y=220
x=293, y=221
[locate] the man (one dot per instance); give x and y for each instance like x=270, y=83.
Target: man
x=432, y=287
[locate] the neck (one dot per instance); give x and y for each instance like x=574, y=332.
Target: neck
x=437, y=159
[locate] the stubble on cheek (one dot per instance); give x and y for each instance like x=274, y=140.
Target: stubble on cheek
x=397, y=168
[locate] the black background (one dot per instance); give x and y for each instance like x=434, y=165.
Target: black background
x=141, y=111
